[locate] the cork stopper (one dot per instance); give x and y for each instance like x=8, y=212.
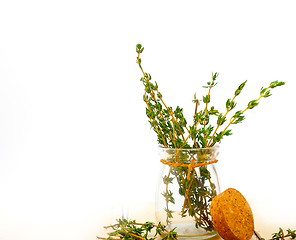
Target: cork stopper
x=232, y=215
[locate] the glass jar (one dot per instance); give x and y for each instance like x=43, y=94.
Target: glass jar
x=186, y=186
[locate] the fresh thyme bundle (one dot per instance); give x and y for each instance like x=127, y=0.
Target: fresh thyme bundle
x=173, y=132
x=171, y=126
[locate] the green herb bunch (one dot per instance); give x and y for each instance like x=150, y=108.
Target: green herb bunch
x=173, y=132
x=171, y=126
x=130, y=229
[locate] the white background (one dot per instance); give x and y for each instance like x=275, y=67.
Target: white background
x=74, y=137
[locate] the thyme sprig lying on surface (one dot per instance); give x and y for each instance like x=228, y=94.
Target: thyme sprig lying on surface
x=130, y=229
x=280, y=235
x=171, y=126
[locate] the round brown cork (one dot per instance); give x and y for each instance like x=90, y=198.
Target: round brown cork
x=232, y=215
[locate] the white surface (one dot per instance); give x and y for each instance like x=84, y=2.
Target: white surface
x=74, y=137
x=267, y=216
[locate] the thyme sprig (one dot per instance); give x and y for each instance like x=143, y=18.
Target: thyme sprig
x=280, y=235
x=130, y=229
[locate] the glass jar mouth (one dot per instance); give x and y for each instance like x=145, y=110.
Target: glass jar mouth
x=200, y=154
x=189, y=149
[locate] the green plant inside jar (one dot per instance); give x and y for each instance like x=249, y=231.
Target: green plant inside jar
x=173, y=132
x=195, y=186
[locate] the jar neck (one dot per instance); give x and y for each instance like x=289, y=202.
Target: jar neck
x=188, y=155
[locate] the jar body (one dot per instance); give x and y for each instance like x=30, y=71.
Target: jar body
x=187, y=183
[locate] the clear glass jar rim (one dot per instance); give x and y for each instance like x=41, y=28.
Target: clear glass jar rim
x=188, y=149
